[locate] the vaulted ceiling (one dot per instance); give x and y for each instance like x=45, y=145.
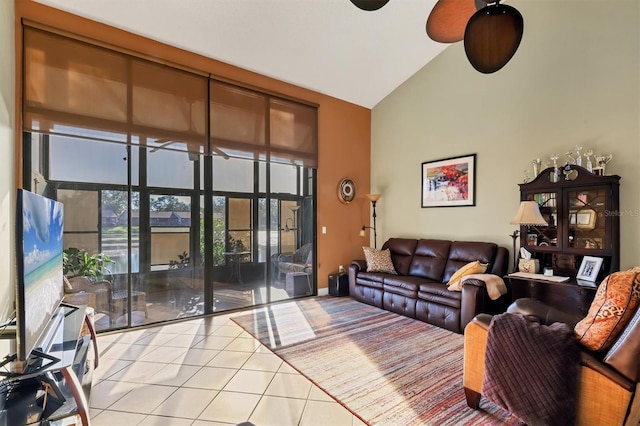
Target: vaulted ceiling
x=329, y=46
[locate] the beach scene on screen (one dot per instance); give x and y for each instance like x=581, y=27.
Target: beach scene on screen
x=42, y=259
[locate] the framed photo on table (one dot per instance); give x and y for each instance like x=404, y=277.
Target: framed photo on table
x=589, y=268
x=450, y=182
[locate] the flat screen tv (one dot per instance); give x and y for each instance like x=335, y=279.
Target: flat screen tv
x=40, y=285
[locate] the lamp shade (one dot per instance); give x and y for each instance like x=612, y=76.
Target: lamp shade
x=374, y=197
x=529, y=214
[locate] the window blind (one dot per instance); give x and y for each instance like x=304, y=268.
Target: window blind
x=75, y=87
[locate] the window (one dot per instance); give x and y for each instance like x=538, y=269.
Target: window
x=167, y=176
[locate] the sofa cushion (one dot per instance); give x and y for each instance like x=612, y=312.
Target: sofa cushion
x=403, y=291
x=429, y=259
x=475, y=267
x=614, y=305
x=437, y=289
x=438, y=293
x=401, y=253
x=376, y=277
x=378, y=260
x=406, y=282
x=463, y=252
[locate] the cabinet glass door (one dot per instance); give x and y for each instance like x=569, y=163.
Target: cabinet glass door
x=587, y=219
x=543, y=236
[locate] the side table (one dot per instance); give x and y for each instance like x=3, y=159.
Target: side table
x=338, y=284
x=566, y=296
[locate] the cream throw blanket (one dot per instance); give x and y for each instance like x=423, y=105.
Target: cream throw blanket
x=495, y=284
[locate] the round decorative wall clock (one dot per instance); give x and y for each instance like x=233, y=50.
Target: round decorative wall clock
x=346, y=190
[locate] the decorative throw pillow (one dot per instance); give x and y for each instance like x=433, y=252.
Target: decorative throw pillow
x=455, y=282
x=379, y=260
x=616, y=301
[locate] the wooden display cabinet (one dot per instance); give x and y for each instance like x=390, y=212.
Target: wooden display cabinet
x=582, y=210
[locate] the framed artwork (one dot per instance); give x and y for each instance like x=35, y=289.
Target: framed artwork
x=583, y=219
x=589, y=268
x=450, y=182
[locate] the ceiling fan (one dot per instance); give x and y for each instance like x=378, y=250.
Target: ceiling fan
x=369, y=5
x=491, y=31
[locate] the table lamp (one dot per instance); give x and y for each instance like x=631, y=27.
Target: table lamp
x=528, y=214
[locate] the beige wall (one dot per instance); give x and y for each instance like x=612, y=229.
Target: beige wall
x=573, y=81
x=7, y=185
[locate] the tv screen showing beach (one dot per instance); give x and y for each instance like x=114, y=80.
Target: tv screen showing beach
x=41, y=285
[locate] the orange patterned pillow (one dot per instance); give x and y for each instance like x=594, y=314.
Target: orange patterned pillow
x=616, y=301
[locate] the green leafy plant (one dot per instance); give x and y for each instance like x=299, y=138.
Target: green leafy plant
x=78, y=263
x=182, y=262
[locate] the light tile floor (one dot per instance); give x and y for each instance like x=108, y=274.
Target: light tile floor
x=203, y=372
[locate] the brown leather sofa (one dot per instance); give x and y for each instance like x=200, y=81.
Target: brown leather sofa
x=607, y=382
x=419, y=290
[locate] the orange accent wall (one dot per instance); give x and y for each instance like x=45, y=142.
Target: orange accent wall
x=344, y=129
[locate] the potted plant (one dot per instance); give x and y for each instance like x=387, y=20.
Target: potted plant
x=78, y=263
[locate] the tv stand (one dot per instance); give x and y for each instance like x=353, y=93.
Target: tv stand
x=60, y=387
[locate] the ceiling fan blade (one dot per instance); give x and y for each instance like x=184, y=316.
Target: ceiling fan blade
x=448, y=19
x=492, y=37
x=369, y=5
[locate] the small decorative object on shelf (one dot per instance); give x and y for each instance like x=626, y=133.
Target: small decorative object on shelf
x=578, y=156
x=555, y=175
x=536, y=164
x=602, y=161
x=588, y=155
x=570, y=159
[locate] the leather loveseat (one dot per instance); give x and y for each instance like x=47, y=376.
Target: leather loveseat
x=419, y=289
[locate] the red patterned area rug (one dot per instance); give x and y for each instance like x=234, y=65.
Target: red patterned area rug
x=385, y=368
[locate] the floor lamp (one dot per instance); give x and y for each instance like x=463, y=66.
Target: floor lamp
x=528, y=215
x=374, y=199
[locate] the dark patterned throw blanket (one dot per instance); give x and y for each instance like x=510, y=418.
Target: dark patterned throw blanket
x=531, y=369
